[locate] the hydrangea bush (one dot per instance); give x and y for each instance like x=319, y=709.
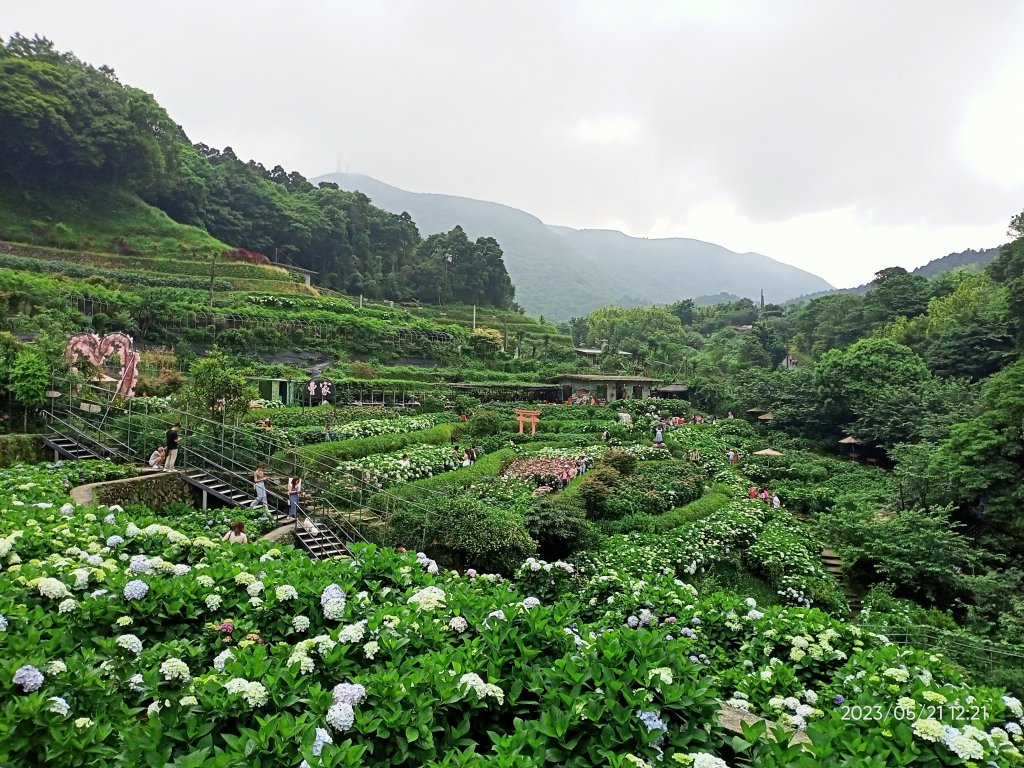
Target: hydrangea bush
x=125, y=641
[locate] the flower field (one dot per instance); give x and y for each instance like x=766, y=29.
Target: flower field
x=129, y=639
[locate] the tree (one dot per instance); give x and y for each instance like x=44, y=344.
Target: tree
x=983, y=459
x=29, y=379
x=216, y=387
x=920, y=552
x=873, y=388
x=894, y=293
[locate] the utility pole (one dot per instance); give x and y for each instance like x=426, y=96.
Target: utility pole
x=213, y=273
x=761, y=316
x=474, y=318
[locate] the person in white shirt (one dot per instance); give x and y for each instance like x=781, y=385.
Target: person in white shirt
x=259, y=481
x=404, y=461
x=236, y=535
x=156, y=458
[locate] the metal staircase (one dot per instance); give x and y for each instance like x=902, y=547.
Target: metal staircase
x=107, y=431
x=67, y=448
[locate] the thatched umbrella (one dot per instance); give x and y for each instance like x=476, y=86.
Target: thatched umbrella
x=851, y=441
x=769, y=452
x=765, y=417
x=755, y=410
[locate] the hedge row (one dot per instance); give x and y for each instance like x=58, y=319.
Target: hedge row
x=315, y=458
x=119, y=275
x=20, y=449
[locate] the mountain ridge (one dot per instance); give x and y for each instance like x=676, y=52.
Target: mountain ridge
x=560, y=271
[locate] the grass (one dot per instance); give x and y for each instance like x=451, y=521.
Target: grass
x=96, y=219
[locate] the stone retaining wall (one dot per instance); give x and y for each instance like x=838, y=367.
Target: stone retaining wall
x=153, y=489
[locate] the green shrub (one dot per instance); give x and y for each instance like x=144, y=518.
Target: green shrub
x=484, y=424
x=20, y=449
x=460, y=532
x=559, y=525
x=696, y=510
x=322, y=456
x=622, y=462
x=596, y=487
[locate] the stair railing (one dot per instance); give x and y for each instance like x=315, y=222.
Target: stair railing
x=217, y=463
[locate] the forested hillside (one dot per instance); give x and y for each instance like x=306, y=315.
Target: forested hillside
x=70, y=133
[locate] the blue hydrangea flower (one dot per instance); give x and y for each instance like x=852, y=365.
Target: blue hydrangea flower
x=135, y=590
x=29, y=678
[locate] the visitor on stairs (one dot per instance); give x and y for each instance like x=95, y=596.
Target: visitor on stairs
x=156, y=458
x=294, y=491
x=172, y=447
x=236, y=535
x=259, y=482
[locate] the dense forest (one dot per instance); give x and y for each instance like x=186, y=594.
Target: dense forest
x=65, y=125
x=922, y=376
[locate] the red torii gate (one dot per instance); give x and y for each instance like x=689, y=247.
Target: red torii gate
x=527, y=417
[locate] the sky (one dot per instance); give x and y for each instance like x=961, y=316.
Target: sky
x=840, y=137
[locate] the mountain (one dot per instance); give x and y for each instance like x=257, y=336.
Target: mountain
x=560, y=272
x=970, y=260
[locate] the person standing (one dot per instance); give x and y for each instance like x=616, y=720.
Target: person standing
x=776, y=501
x=659, y=436
x=294, y=491
x=172, y=447
x=236, y=535
x=606, y=435
x=259, y=481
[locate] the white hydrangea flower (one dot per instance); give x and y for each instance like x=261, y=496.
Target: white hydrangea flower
x=459, y=624
x=349, y=693
x=56, y=667
x=428, y=598
x=254, y=693
x=131, y=643
x=286, y=592
x=222, y=658
x=352, y=633
x=341, y=717
x=1013, y=704
x=59, y=706
x=213, y=602
x=300, y=623
x=53, y=588
x=175, y=669
x=204, y=581
x=67, y=606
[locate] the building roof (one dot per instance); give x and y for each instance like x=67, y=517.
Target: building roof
x=586, y=351
x=674, y=387
x=596, y=377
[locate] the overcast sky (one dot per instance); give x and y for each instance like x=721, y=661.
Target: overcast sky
x=841, y=137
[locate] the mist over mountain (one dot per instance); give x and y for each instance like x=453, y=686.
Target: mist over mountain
x=560, y=272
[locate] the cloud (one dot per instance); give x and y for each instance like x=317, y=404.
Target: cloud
x=878, y=117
